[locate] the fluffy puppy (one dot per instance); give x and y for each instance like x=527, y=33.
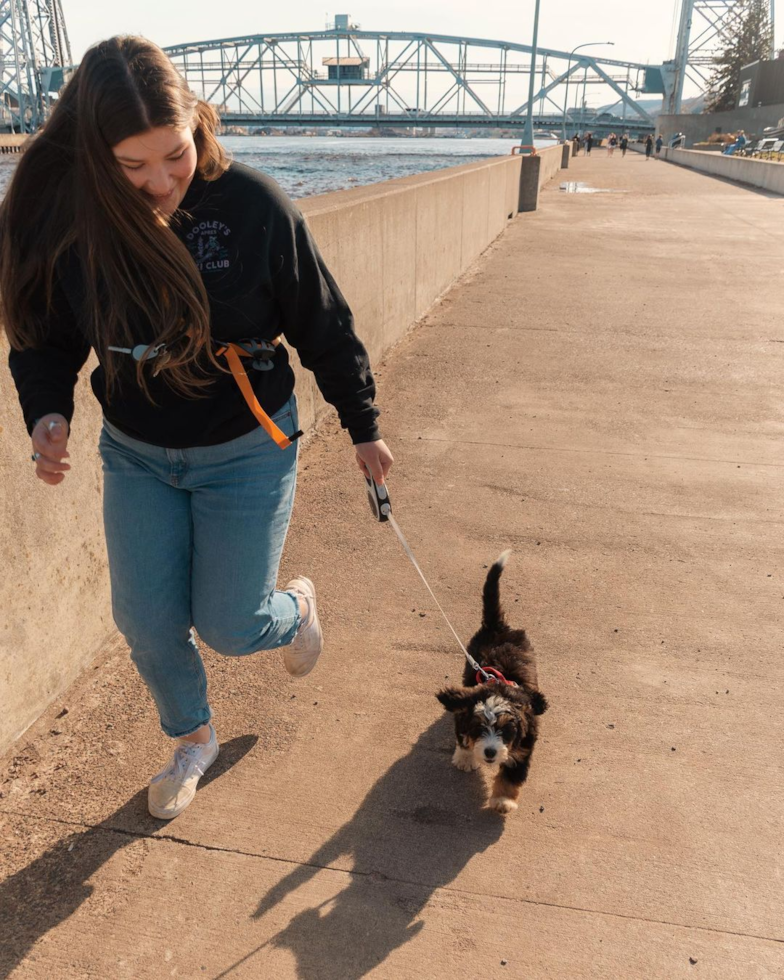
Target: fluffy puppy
x=496, y=723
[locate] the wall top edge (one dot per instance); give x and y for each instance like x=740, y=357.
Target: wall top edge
x=322, y=203
x=721, y=156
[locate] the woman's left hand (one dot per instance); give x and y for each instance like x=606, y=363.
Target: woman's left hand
x=374, y=459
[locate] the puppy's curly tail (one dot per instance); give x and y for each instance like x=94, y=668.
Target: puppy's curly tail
x=493, y=618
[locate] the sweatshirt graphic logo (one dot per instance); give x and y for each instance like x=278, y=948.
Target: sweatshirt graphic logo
x=207, y=244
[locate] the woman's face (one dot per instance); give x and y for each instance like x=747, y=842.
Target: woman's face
x=160, y=163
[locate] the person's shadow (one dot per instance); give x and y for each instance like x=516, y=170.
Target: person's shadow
x=414, y=832
x=51, y=888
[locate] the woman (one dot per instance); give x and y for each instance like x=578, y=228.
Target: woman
x=127, y=230
x=648, y=147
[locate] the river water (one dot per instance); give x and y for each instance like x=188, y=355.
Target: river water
x=305, y=165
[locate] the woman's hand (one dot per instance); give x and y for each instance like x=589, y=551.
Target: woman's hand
x=374, y=459
x=50, y=442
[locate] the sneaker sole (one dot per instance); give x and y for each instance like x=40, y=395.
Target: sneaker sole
x=160, y=814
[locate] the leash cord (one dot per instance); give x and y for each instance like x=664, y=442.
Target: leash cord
x=414, y=562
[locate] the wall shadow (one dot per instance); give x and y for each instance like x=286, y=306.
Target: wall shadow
x=414, y=832
x=51, y=888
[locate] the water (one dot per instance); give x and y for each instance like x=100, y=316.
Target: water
x=305, y=165
x=578, y=187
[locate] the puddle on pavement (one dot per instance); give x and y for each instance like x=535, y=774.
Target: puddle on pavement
x=578, y=187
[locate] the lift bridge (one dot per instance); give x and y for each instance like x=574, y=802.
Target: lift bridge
x=343, y=76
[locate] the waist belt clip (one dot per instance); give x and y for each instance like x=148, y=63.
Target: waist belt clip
x=230, y=351
x=261, y=352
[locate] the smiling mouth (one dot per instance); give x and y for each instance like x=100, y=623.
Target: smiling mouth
x=162, y=198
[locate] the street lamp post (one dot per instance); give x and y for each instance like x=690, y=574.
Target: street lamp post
x=528, y=129
x=585, y=99
x=588, y=44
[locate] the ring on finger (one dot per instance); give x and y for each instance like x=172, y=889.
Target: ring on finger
x=35, y=457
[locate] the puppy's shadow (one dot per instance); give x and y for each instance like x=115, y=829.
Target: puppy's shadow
x=51, y=888
x=414, y=832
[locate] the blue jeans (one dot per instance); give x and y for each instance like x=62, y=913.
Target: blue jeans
x=194, y=539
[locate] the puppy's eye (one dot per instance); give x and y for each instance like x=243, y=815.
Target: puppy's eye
x=508, y=732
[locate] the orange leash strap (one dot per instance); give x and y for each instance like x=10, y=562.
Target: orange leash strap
x=232, y=353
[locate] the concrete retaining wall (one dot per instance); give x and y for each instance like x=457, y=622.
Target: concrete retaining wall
x=764, y=174
x=393, y=247
x=699, y=126
x=552, y=159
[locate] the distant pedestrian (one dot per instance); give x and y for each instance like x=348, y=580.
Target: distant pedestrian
x=659, y=144
x=612, y=142
x=588, y=143
x=575, y=145
x=648, y=147
x=624, y=144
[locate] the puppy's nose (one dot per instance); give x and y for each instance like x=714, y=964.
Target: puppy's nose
x=489, y=753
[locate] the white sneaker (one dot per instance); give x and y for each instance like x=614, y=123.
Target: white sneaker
x=301, y=654
x=174, y=787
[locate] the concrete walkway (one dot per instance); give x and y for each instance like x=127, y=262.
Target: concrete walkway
x=603, y=394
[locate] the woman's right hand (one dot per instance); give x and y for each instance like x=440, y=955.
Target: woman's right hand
x=50, y=442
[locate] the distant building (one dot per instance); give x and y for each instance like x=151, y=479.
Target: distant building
x=759, y=110
x=761, y=84
x=346, y=69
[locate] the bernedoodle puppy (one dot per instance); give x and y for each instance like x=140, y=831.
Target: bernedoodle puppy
x=496, y=722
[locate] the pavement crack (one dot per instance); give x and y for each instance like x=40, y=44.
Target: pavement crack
x=380, y=876
x=171, y=838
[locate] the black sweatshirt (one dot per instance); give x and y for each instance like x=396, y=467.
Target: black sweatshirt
x=264, y=276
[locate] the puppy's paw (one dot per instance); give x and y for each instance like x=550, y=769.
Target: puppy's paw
x=463, y=759
x=502, y=804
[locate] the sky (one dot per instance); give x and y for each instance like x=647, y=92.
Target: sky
x=642, y=30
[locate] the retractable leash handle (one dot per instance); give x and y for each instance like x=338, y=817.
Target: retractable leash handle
x=378, y=498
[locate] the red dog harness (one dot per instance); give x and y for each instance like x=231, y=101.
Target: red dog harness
x=496, y=677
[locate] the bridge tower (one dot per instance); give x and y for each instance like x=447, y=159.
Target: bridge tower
x=34, y=54
x=704, y=26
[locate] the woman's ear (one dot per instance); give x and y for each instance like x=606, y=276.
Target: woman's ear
x=458, y=698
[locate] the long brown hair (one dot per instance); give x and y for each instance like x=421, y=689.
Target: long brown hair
x=68, y=191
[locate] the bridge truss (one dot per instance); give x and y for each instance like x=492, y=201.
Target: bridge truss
x=34, y=53
x=705, y=27
x=345, y=76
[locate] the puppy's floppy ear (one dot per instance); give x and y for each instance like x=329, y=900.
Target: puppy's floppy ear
x=458, y=698
x=538, y=703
